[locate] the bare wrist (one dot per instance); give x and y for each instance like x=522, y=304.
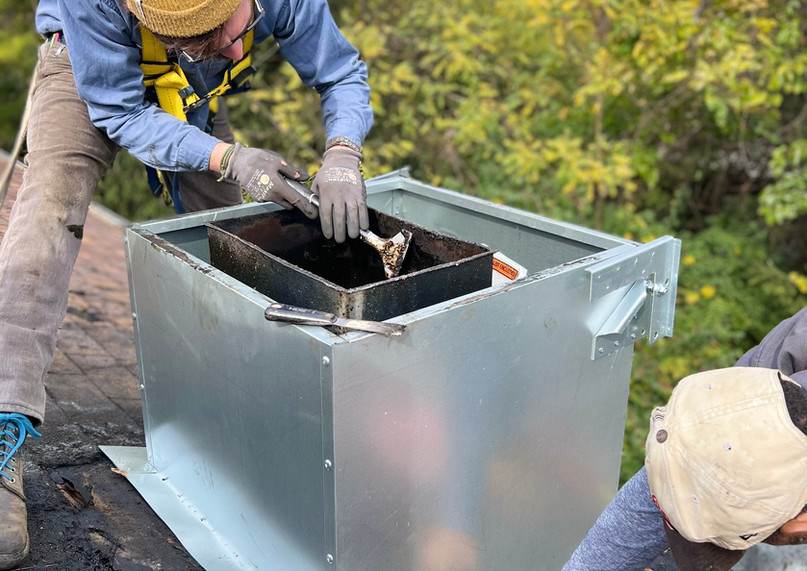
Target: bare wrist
x=216, y=156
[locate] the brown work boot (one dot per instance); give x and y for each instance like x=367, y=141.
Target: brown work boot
x=13, y=516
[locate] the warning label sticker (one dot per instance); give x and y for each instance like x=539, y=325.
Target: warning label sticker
x=508, y=271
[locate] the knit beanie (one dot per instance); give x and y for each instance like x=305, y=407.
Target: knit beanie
x=182, y=18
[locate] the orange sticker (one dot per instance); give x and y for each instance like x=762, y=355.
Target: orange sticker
x=508, y=271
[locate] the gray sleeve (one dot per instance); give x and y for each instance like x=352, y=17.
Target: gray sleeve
x=628, y=535
x=784, y=348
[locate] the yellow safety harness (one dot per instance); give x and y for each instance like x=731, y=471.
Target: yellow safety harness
x=174, y=94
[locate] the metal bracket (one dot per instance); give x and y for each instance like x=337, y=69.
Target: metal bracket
x=646, y=278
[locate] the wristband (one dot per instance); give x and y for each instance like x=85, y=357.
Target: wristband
x=342, y=141
x=225, y=161
x=225, y=158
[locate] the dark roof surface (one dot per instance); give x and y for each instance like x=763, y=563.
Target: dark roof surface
x=82, y=514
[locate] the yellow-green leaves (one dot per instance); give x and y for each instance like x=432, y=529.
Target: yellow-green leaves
x=785, y=198
x=585, y=98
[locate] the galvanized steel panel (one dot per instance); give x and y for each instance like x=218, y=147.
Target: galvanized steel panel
x=488, y=418
x=233, y=414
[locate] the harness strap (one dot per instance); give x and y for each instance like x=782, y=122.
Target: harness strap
x=237, y=76
x=176, y=96
x=174, y=93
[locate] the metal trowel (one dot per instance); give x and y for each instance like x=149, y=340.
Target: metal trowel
x=392, y=250
x=305, y=316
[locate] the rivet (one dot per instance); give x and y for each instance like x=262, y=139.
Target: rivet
x=326, y=362
x=329, y=559
x=600, y=350
x=727, y=447
x=134, y=316
x=661, y=436
x=328, y=464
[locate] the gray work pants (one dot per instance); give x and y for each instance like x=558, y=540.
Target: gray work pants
x=67, y=156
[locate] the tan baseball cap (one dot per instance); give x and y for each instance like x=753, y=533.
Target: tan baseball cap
x=182, y=18
x=725, y=463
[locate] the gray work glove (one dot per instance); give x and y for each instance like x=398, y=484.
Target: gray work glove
x=342, y=194
x=261, y=173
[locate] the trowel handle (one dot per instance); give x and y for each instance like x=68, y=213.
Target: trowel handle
x=303, y=191
x=304, y=316
x=301, y=315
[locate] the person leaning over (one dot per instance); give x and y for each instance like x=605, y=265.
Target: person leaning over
x=724, y=467
x=146, y=75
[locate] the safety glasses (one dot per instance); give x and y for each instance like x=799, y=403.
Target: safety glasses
x=257, y=16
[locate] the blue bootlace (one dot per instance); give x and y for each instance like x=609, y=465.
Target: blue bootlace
x=13, y=430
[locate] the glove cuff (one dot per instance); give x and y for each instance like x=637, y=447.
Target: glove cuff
x=342, y=153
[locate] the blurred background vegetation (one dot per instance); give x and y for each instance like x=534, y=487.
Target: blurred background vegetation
x=640, y=118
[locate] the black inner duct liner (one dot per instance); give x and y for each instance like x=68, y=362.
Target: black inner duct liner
x=284, y=255
x=298, y=240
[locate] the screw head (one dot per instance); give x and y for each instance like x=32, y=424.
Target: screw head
x=329, y=559
x=328, y=464
x=326, y=361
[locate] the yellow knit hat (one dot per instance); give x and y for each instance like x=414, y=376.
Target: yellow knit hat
x=182, y=18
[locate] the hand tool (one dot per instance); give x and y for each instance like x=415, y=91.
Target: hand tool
x=304, y=316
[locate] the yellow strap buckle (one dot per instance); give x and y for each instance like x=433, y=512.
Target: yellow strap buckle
x=174, y=94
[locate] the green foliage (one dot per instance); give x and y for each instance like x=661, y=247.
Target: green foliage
x=784, y=199
x=564, y=105
x=18, y=46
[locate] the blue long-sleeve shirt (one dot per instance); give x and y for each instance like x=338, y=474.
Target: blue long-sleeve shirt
x=104, y=45
x=629, y=534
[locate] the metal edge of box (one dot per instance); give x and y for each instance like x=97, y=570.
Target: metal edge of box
x=499, y=211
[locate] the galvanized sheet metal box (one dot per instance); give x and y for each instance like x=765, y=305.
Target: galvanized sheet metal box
x=496, y=418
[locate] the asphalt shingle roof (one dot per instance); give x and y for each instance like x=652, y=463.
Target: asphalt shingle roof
x=82, y=514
